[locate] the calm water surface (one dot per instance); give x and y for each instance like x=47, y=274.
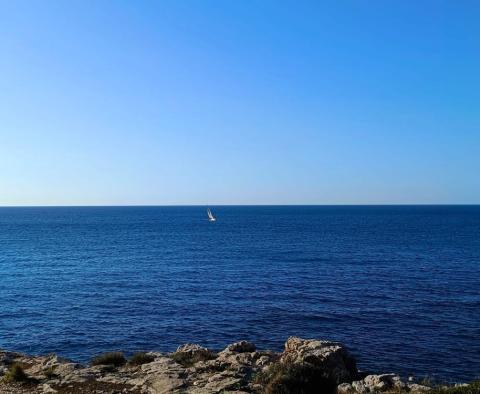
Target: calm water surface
x=400, y=286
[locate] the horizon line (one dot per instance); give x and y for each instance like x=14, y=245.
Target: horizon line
x=237, y=205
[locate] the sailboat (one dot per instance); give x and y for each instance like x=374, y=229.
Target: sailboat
x=211, y=218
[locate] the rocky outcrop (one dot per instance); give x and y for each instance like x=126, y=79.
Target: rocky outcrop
x=197, y=370
x=193, y=350
x=241, y=347
x=380, y=383
x=331, y=357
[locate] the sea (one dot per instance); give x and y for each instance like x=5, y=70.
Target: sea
x=398, y=285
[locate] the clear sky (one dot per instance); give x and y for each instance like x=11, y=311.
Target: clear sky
x=239, y=102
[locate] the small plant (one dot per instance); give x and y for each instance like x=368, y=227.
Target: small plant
x=140, y=358
x=116, y=359
x=189, y=359
x=427, y=381
x=15, y=374
x=50, y=372
x=281, y=378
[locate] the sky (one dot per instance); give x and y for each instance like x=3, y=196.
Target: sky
x=239, y=102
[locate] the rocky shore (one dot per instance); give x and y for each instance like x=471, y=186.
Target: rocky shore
x=305, y=366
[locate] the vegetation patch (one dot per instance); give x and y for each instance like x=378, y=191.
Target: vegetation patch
x=187, y=359
x=472, y=388
x=116, y=359
x=281, y=378
x=15, y=374
x=141, y=358
x=50, y=372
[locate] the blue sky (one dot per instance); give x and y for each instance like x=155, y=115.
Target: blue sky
x=239, y=102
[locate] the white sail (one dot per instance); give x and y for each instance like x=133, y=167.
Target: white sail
x=210, y=215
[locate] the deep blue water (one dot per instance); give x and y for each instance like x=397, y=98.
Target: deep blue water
x=399, y=285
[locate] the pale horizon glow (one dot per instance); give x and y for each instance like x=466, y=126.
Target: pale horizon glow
x=234, y=103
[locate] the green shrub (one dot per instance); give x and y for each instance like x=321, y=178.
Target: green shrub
x=116, y=359
x=15, y=374
x=282, y=378
x=472, y=388
x=189, y=359
x=141, y=358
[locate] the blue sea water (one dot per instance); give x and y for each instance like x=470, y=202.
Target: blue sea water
x=399, y=285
